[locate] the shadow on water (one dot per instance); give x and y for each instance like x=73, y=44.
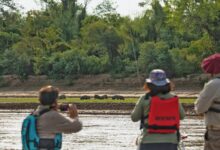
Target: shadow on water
x=109, y=132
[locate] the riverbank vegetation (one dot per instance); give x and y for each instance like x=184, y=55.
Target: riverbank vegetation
x=64, y=41
x=77, y=100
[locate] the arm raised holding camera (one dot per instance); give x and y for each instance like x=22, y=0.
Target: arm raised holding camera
x=54, y=121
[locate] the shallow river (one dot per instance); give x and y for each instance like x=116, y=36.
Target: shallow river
x=108, y=132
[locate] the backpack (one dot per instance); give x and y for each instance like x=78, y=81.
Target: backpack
x=30, y=138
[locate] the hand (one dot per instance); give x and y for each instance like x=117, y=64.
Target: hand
x=72, y=111
x=64, y=107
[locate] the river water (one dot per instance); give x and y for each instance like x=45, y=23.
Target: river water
x=100, y=132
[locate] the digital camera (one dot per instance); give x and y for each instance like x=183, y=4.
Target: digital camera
x=64, y=107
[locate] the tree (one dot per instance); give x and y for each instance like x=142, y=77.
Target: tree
x=104, y=36
x=7, y=4
x=156, y=55
x=107, y=12
x=196, y=16
x=105, y=8
x=62, y=39
x=9, y=29
x=20, y=63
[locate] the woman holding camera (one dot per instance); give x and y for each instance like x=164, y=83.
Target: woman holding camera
x=50, y=124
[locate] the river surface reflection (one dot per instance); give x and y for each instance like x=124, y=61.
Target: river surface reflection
x=108, y=132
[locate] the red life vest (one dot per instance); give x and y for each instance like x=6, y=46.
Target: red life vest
x=163, y=115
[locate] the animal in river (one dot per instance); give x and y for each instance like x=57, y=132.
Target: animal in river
x=62, y=96
x=100, y=97
x=118, y=97
x=85, y=97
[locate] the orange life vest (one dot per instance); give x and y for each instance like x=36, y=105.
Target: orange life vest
x=164, y=115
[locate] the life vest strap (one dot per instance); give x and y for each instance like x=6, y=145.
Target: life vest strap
x=215, y=102
x=156, y=127
x=41, y=112
x=142, y=121
x=214, y=110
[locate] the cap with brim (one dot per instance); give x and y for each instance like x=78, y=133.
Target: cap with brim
x=157, y=77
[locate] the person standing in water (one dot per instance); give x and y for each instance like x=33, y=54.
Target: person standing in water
x=159, y=112
x=208, y=102
x=48, y=122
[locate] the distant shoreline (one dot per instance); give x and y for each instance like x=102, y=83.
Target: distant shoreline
x=92, y=108
x=69, y=93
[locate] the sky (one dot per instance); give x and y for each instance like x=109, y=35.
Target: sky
x=125, y=7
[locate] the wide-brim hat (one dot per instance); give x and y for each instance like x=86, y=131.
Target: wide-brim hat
x=157, y=77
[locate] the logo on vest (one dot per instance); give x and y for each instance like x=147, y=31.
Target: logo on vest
x=165, y=118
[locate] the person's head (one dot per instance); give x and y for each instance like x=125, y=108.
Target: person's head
x=48, y=95
x=157, y=82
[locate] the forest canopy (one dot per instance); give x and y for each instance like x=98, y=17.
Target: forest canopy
x=63, y=40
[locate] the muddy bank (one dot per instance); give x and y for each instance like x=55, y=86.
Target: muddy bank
x=96, y=82
x=110, y=93
x=103, y=84
x=93, y=108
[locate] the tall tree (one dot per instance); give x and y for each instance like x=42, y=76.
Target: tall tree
x=101, y=34
x=105, y=8
x=68, y=16
x=197, y=16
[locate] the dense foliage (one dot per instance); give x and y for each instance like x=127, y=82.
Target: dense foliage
x=63, y=41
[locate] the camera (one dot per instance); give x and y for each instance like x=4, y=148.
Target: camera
x=64, y=107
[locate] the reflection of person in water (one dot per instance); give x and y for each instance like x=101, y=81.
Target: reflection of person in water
x=160, y=113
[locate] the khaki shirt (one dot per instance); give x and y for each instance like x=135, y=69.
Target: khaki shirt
x=206, y=99
x=53, y=122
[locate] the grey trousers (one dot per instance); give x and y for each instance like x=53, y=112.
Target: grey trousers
x=157, y=146
x=212, y=140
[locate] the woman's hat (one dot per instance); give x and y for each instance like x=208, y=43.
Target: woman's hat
x=211, y=64
x=158, y=78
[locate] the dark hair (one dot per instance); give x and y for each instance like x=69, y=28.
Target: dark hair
x=154, y=90
x=48, y=95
